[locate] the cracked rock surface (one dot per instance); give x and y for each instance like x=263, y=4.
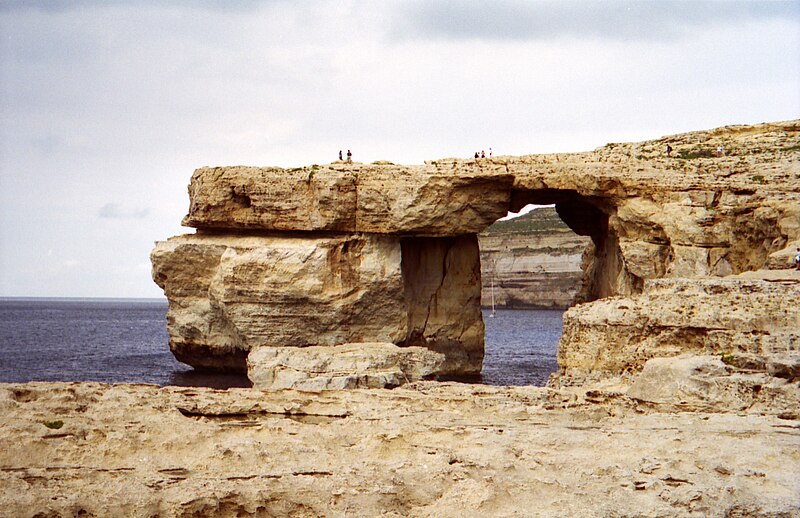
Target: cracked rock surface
x=425, y=449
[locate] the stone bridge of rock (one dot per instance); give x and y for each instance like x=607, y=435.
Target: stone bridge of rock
x=353, y=253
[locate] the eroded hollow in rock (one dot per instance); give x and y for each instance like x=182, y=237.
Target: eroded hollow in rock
x=604, y=270
x=526, y=348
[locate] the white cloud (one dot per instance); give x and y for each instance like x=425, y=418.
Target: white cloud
x=622, y=20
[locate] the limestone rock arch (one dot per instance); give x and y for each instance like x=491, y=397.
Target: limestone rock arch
x=349, y=252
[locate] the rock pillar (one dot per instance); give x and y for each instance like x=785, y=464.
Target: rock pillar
x=325, y=257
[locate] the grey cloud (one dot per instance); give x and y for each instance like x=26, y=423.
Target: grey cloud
x=614, y=20
x=115, y=211
x=69, y=5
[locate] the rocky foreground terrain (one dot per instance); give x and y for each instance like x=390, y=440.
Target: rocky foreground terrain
x=427, y=449
x=678, y=386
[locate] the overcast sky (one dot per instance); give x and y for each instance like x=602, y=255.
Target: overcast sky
x=108, y=106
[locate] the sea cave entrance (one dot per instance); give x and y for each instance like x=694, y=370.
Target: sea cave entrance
x=552, y=253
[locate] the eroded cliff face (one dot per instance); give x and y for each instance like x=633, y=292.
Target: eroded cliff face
x=672, y=317
x=344, y=197
x=533, y=261
x=344, y=253
x=231, y=293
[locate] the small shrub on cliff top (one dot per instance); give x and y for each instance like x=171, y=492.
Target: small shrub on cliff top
x=54, y=425
x=758, y=178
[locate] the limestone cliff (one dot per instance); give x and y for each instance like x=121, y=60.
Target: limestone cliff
x=532, y=261
x=229, y=293
x=671, y=317
x=342, y=253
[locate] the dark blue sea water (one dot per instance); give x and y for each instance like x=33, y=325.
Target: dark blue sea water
x=521, y=346
x=125, y=341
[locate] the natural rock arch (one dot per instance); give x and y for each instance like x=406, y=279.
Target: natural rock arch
x=326, y=255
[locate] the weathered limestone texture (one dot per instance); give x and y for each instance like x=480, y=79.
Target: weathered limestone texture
x=429, y=450
x=387, y=253
x=382, y=199
x=679, y=316
x=443, y=292
x=679, y=385
x=731, y=382
x=348, y=366
x=229, y=293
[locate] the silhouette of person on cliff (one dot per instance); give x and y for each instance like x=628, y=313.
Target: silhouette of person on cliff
x=349, y=156
x=340, y=155
x=669, y=149
x=490, y=152
x=483, y=154
x=476, y=155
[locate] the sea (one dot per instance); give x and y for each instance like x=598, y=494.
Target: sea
x=125, y=341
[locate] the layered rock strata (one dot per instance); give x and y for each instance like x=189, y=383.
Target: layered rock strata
x=229, y=293
x=381, y=199
x=533, y=261
x=676, y=397
x=678, y=316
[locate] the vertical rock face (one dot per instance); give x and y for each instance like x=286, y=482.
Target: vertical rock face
x=443, y=291
x=677, y=316
x=380, y=199
x=230, y=293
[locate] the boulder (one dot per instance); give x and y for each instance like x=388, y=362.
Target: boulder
x=712, y=384
x=348, y=366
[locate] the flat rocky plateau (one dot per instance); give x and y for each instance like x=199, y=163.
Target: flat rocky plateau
x=425, y=449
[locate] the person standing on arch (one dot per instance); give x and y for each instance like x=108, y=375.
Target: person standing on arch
x=340, y=155
x=349, y=156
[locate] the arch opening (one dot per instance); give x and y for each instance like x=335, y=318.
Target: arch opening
x=533, y=268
